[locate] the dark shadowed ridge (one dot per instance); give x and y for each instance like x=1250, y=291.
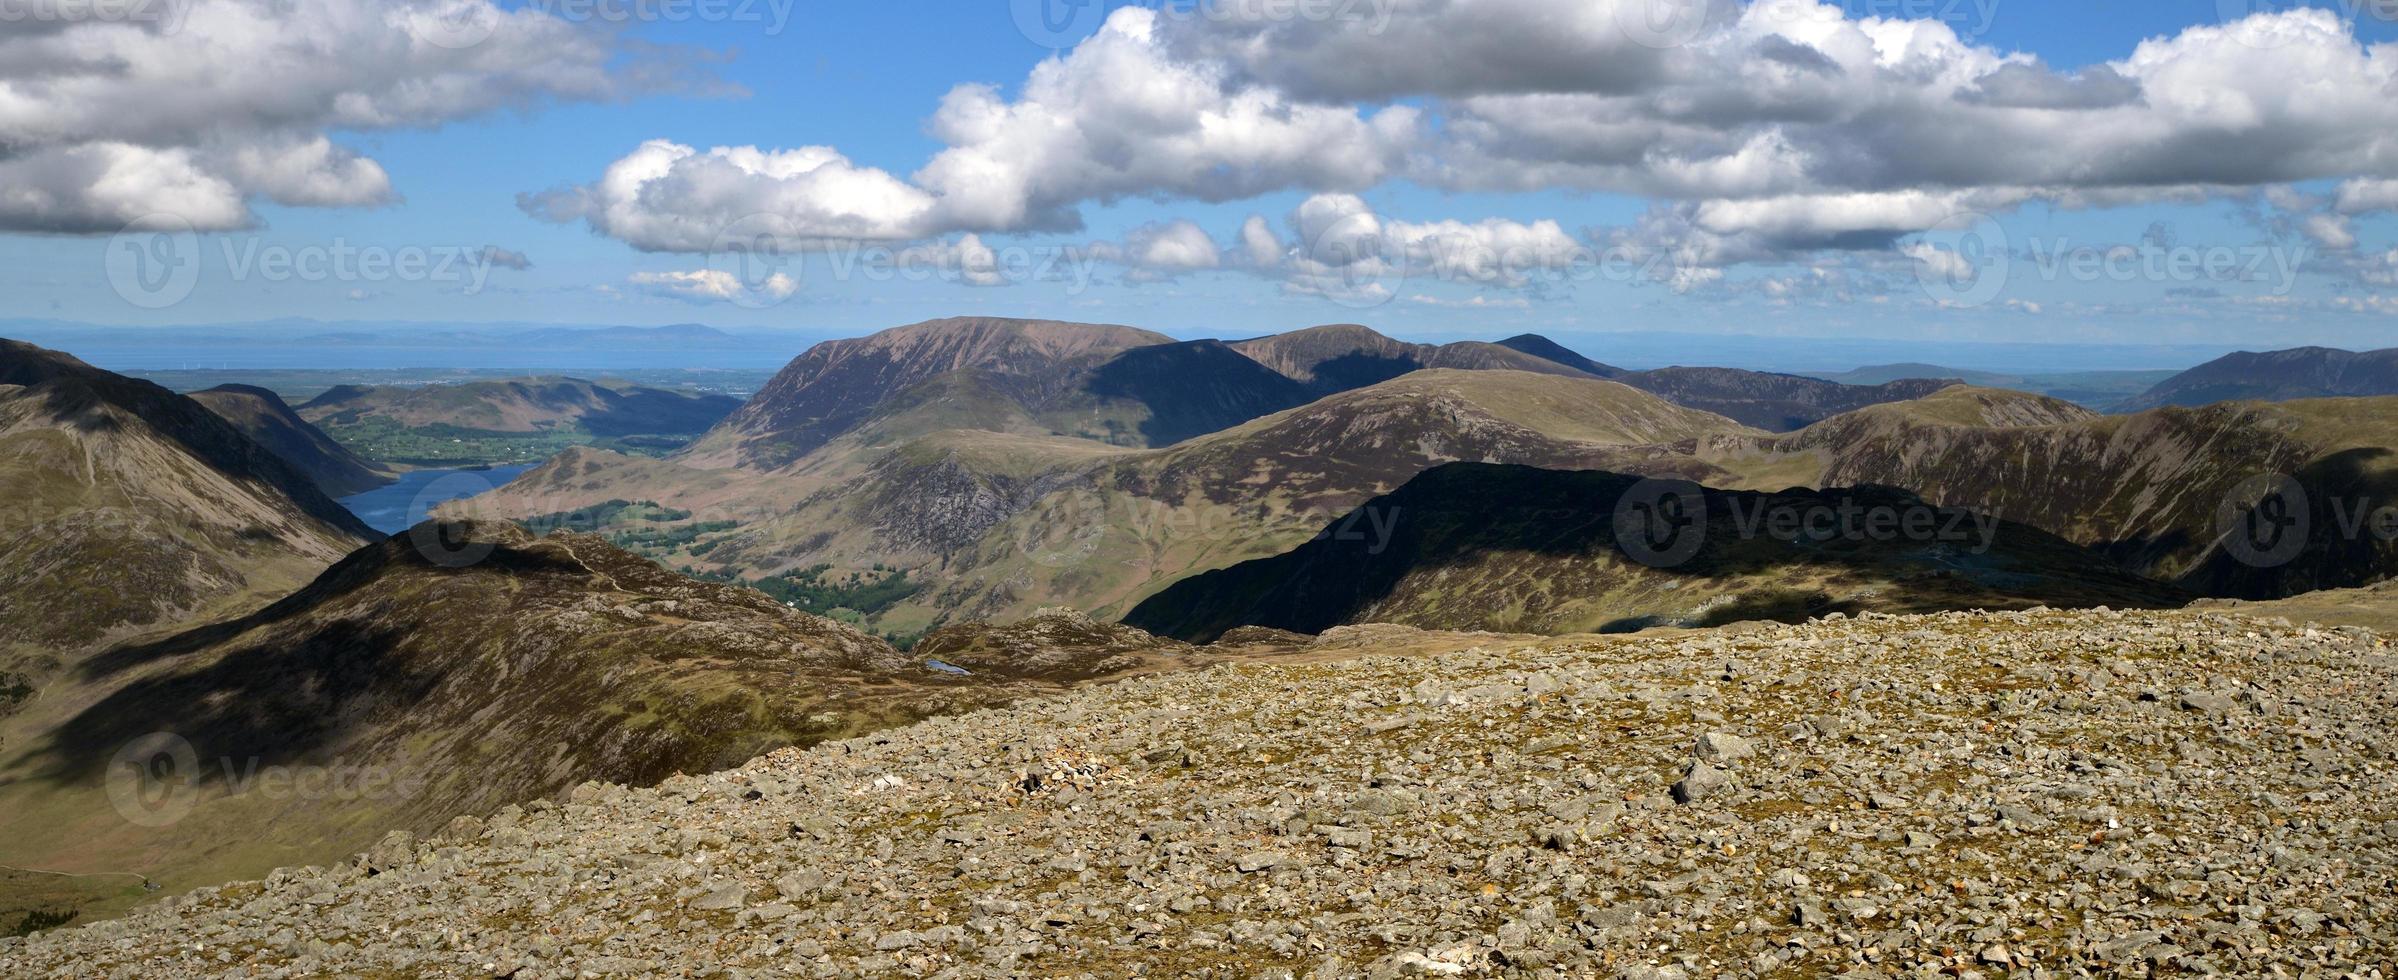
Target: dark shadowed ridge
x=267, y=419
x=1192, y=389
x=74, y=389
x=1550, y=350
x=478, y=666
x=1774, y=402
x=1473, y=546
x=1342, y=357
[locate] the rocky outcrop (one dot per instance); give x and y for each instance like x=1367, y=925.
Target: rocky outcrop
x=1050, y=644
x=2027, y=793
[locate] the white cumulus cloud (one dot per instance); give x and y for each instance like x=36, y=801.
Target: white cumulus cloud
x=209, y=105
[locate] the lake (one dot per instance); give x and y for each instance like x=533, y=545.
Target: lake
x=402, y=505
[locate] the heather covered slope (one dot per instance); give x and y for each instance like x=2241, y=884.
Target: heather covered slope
x=2276, y=376
x=263, y=416
x=1522, y=550
x=465, y=667
x=2058, y=794
x=132, y=508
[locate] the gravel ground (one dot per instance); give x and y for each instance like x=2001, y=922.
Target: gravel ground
x=2027, y=794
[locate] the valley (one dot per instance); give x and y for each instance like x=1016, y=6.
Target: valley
x=970, y=514
x=958, y=484
x=1454, y=489
x=513, y=421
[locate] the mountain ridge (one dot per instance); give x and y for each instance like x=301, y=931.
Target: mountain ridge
x=1513, y=549
x=268, y=420
x=2275, y=376
x=151, y=508
x=476, y=664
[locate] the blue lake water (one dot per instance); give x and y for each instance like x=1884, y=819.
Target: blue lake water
x=403, y=505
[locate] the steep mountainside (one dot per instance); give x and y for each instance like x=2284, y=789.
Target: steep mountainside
x=263, y=416
x=1523, y=550
x=465, y=667
x=523, y=406
x=2052, y=794
x=1193, y=389
x=133, y=507
x=2275, y=376
x=840, y=385
x=1344, y=357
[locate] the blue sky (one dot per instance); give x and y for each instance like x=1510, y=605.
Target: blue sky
x=2281, y=246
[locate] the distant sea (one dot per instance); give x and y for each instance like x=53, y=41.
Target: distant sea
x=342, y=358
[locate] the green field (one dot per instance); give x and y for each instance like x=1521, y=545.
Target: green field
x=448, y=445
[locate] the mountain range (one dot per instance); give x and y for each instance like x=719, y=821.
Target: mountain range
x=2275, y=376
x=992, y=511
x=151, y=509
x=998, y=493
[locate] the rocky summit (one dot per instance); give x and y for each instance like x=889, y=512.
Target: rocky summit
x=2016, y=794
